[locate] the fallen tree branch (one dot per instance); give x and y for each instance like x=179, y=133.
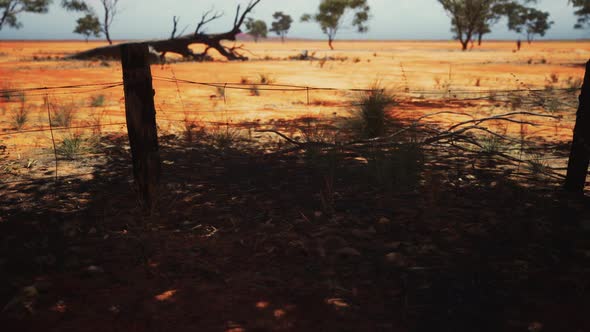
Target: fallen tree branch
x=181, y=44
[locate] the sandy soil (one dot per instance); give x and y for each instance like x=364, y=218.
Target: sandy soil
x=342, y=241
x=427, y=77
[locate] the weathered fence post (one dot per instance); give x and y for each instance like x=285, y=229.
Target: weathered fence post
x=141, y=121
x=580, y=154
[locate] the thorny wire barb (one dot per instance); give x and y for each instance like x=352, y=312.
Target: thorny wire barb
x=274, y=87
x=17, y=93
x=60, y=129
x=63, y=87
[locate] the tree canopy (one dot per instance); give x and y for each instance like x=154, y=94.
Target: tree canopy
x=529, y=21
x=281, y=25
x=475, y=17
x=582, y=11
x=331, y=12
x=256, y=28
x=87, y=24
x=9, y=9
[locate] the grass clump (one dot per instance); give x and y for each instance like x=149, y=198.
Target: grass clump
x=254, y=91
x=192, y=129
x=21, y=117
x=221, y=91
x=97, y=101
x=62, y=116
x=370, y=119
x=491, y=145
x=71, y=147
x=537, y=165
x=224, y=138
x=265, y=79
x=574, y=84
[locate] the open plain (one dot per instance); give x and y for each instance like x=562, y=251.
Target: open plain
x=274, y=215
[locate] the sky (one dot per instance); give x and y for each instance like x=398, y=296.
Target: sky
x=390, y=19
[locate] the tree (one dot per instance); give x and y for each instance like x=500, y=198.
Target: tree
x=281, y=25
x=88, y=26
x=529, y=21
x=582, y=11
x=9, y=9
x=256, y=29
x=470, y=18
x=109, y=8
x=181, y=44
x=331, y=13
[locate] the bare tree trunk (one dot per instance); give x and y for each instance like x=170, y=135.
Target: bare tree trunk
x=106, y=24
x=108, y=36
x=464, y=45
x=577, y=169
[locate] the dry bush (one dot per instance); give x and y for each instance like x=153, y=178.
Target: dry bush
x=21, y=116
x=370, y=118
x=62, y=115
x=97, y=101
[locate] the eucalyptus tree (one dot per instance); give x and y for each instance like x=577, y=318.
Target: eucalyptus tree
x=474, y=18
x=10, y=9
x=582, y=11
x=331, y=13
x=109, y=12
x=281, y=25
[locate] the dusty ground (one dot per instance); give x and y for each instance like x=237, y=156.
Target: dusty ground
x=420, y=73
x=302, y=241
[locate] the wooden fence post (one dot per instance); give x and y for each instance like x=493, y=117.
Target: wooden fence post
x=580, y=154
x=140, y=113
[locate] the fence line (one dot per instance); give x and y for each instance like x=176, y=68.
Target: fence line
x=272, y=87
x=59, y=129
x=243, y=86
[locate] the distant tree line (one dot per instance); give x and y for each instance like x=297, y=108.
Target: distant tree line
x=470, y=19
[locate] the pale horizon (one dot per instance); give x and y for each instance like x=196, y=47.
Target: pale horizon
x=389, y=22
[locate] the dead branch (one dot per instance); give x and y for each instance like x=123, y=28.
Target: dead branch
x=505, y=117
x=175, y=25
x=181, y=44
x=205, y=19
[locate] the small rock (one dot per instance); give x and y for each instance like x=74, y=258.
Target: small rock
x=93, y=269
x=337, y=303
x=396, y=259
x=384, y=221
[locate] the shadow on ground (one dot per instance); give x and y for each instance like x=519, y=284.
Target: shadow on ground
x=294, y=242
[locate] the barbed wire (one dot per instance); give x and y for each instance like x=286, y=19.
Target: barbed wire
x=62, y=87
x=60, y=128
x=265, y=87
x=47, y=91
